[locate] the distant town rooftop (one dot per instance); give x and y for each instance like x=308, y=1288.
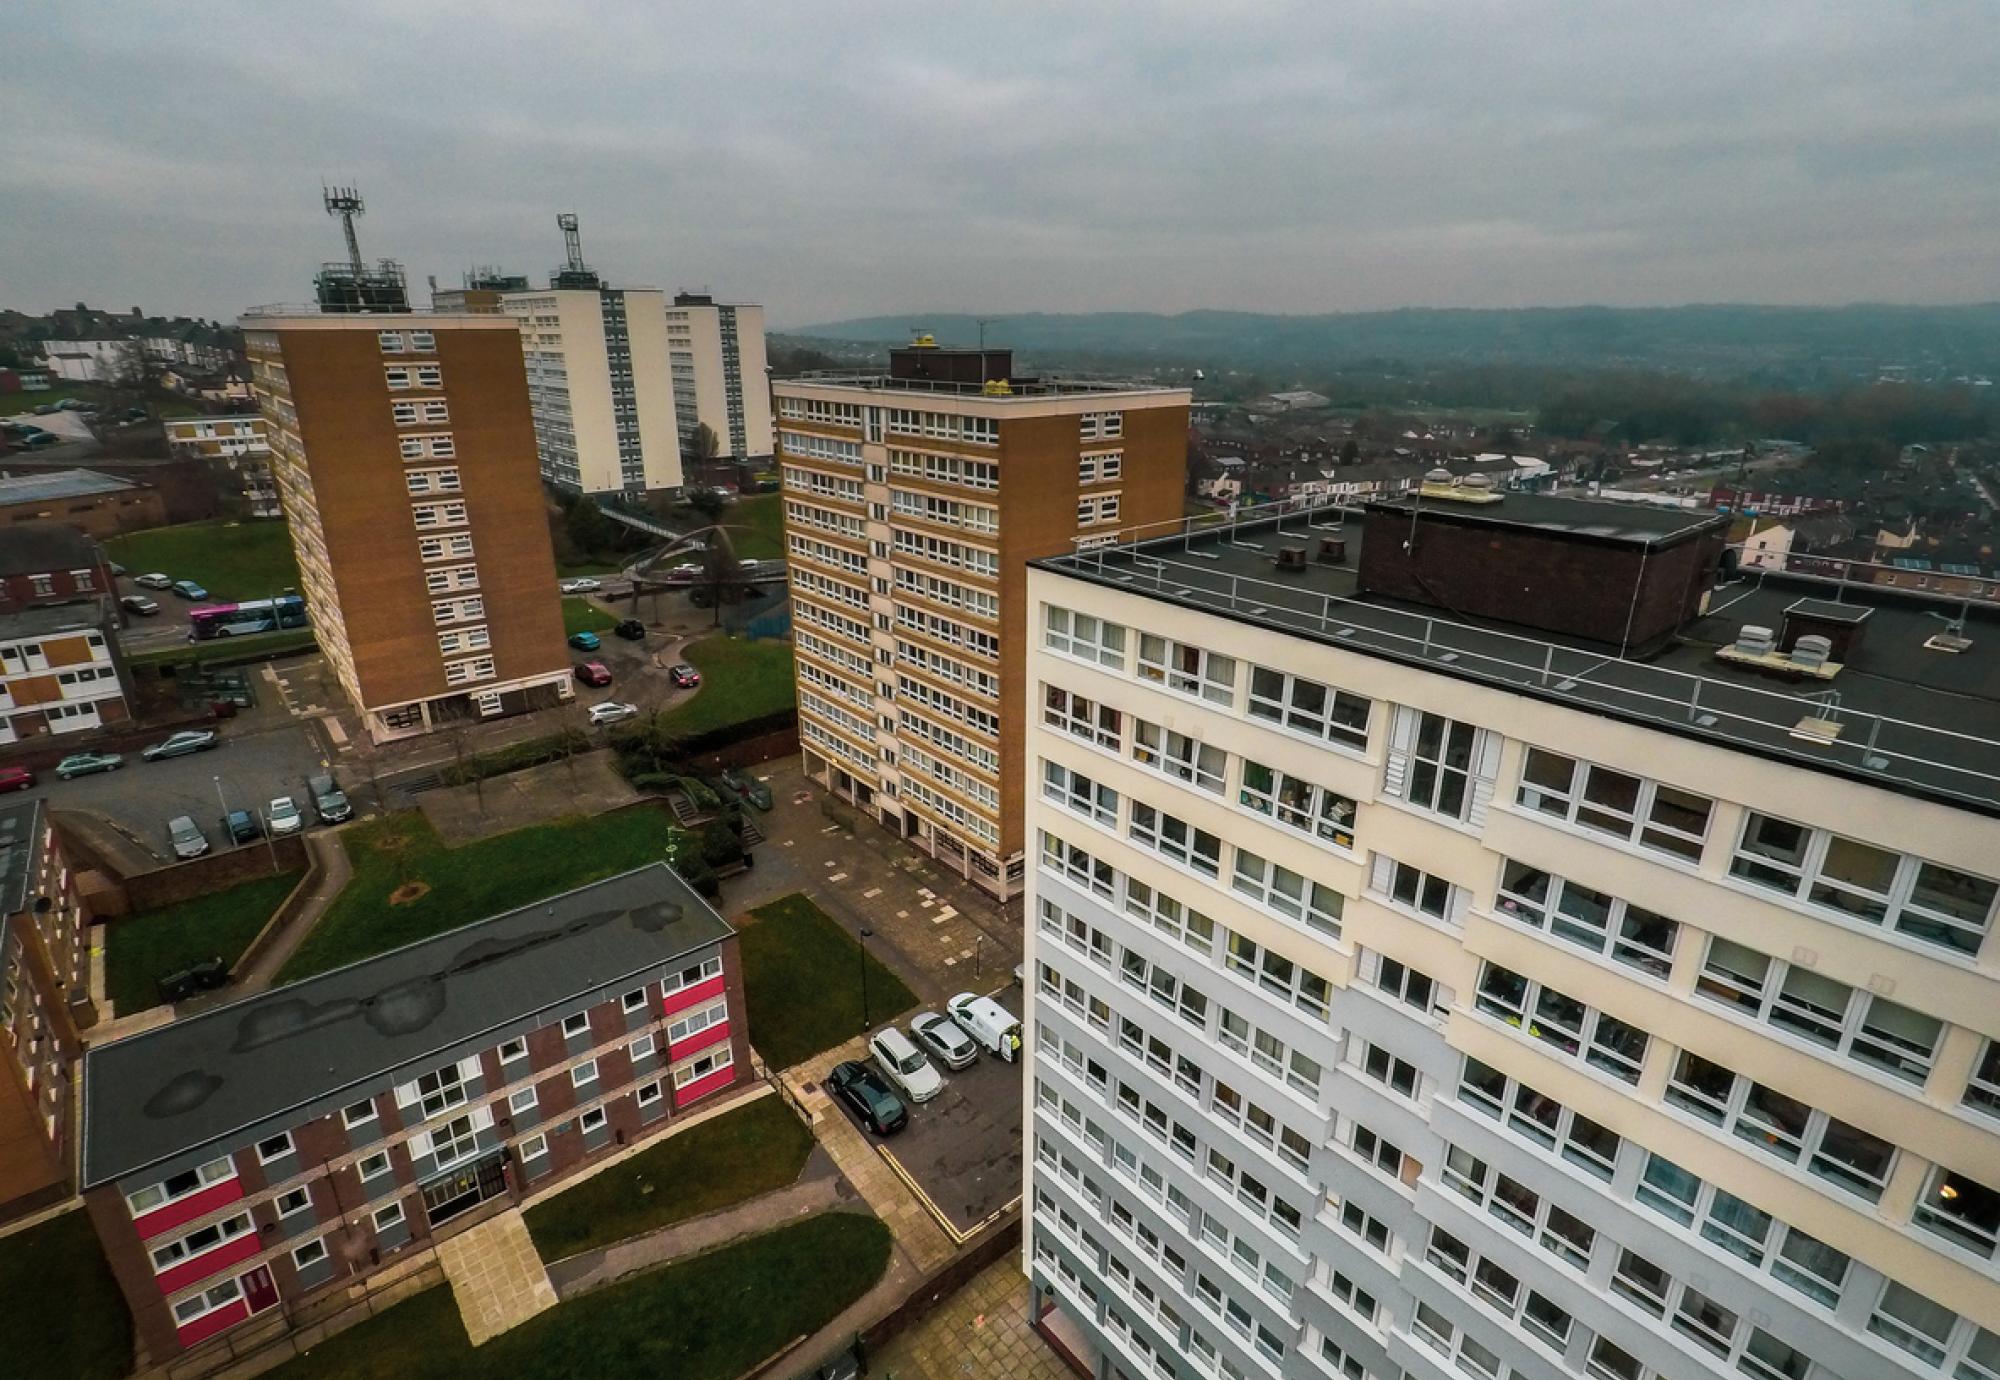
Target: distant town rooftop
x=185, y=1085
x=42, y=488
x=1912, y=716
x=1017, y=388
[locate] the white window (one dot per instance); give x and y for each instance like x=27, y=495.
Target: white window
x=1101, y=426
x=358, y=1113
x=1298, y=803
x=592, y=1120
x=181, y=1185
x=1562, y=1022
x=583, y=1074
x=471, y=669
x=214, y=1297
x=1656, y=816
x=200, y=1240
x=1781, y=1126
x=1307, y=706
x=1176, y=755
x=1414, y=889
x=274, y=1148
x=458, y=1139
x=1075, y=791
x=1591, y=919
x=397, y=379
x=1080, y=635
x=312, y=1253
x=1440, y=765
x=1962, y=1210
x=292, y=1201
x=534, y=1147
x=634, y=1000
x=1539, y=1118
x=512, y=1050
x=390, y=1216
x=1287, y=893
x=650, y=1093
x=1177, y=840
x=422, y=340
x=372, y=1166
x=1188, y=669
x=1982, y=1090
x=391, y=342
x=522, y=1101
x=641, y=1048
x=439, y=1090
x=430, y=376
x=1094, y=723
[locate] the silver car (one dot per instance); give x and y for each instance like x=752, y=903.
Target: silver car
x=284, y=816
x=945, y=1042
x=186, y=837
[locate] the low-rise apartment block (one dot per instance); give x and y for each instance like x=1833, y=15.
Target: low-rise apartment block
x=49, y=563
x=913, y=502
x=240, y=444
x=255, y=1160
x=84, y=499
x=1485, y=937
x=721, y=378
x=57, y=672
x=404, y=455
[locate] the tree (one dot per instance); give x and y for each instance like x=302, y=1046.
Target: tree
x=1350, y=451
x=707, y=503
x=132, y=373
x=704, y=444
x=587, y=526
x=721, y=572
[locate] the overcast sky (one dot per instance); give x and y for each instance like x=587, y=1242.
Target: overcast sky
x=836, y=159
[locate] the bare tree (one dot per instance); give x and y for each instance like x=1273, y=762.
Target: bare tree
x=721, y=572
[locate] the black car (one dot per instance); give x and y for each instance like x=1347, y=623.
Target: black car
x=863, y=1090
x=241, y=826
x=632, y=630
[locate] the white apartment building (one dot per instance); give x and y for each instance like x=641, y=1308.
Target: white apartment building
x=720, y=374
x=601, y=387
x=1416, y=997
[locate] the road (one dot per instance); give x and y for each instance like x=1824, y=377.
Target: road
x=140, y=797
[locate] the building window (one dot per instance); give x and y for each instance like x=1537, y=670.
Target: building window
x=1590, y=919
x=634, y=1000
x=199, y=1240
x=534, y=1147
x=1416, y=890
x=387, y=1217
x=1982, y=1090
x=274, y=1148
x=1441, y=765
x=1298, y=803
x=1080, y=635
x=1562, y=1022
x=312, y=1253
x=1962, y=1210
x=1188, y=669
x=1627, y=807
x=1094, y=723
x=358, y=1113
x=372, y=1166
x=1176, y=840
x=1077, y=792
x=1781, y=1126
x=641, y=1048
x=181, y=1185
x=650, y=1093
x=583, y=1074
x=522, y=1101
x=293, y=1201
x=592, y=1120
x=1287, y=893
x=512, y=1050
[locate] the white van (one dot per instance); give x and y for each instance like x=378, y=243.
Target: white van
x=992, y=1026
x=905, y=1065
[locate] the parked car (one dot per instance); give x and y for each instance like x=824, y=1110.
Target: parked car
x=153, y=579
x=186, y=837
x=329, y=801
x=904, y=1064
x=683, y=676
x=632, y=630
x=581, y=584
x=584, y=641
x=16, y=779
x=285, y=816
x=40, y=440
x=241, y=826
x=87, y=763
x=181, y=744
x=139, y=604
x=748, y=787
x=992, y=1026
x=117, y=569
x=189, y=590
x=45, y=409
x=945, y=1041
x=863, y=1090
x=593, y=673
x=611, y=712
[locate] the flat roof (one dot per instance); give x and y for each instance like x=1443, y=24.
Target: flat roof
x=1921, y=721
x=1026, y=389
x=20, y=839
x=33, y=548
x=39, y=488
x=1637, y=523
x=186, y=1085
x=81, y=616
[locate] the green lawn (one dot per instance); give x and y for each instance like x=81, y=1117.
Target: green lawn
x=580, y=615
x=740, y=680
x=751, y=1150
x=64, y=1318
x=466, y=884
x=139, y=950
x=755, y=523
x=708, y=1318
x=802, y=982
x=165, y=404
x=587, y=566
x=230, y=649
x=231, y=560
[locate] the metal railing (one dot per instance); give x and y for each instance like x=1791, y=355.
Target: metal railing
x=1045, y=386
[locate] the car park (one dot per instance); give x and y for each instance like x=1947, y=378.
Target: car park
x=188, y=589
x=87, y=764
x=16, y=779
x=943, y=1040
x=186, y=837
x=153, y=579
x=593, y=673
x=329, y=801
x=581, y=584
x=683, y=676
x=139, y=604
x=747, y=788
x=241, y=826
x=182, y=743
x=904, y=1064
x=585, y=641
x=992, y=1026
x=632, y=630
x=611, y=712
x=285, y=816
x=868, y=1097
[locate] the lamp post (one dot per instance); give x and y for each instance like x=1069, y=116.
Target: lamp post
x=866, y=935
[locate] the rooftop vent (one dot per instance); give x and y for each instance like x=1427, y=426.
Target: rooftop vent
x=1333, y=550
x=1474, y=488
x=1291, y=558
x=1754, y=640
x=1812, y=651
x=1811, y=655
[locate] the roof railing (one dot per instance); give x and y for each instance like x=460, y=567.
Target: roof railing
x=1039, y=386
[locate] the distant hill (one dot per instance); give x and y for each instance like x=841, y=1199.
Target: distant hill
x=1927, y=342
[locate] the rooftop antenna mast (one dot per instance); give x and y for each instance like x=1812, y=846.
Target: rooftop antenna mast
x=572, y=240
x=345, y=202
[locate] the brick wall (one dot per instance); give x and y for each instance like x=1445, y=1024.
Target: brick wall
x=219, y=871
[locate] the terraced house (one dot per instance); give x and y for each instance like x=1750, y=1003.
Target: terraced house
x=247, y=1163
x=913, y=502
x=1494, y=937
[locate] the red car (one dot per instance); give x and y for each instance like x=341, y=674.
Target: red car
x=16, y=779
x=594, y=673
x=684, y=676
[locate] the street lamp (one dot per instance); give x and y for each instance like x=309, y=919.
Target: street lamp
x=866, y=935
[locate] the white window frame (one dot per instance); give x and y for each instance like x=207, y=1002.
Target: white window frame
x=1559, y=786
x=1197, y=672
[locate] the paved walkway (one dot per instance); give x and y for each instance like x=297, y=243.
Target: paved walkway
x=981, y=1333
x=495, y=1275
x=819, y=1189
x=330, y=862
x=914, y=1229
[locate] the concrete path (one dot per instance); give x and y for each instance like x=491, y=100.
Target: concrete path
x=912, y=1225
x=982, y=1332
x=818, y=1189
x=495, y=1275
x=329, y=861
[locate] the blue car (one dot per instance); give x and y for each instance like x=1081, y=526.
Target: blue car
x=585, y=641
x=188, y=589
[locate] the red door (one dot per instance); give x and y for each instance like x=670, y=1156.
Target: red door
x=259, y=1289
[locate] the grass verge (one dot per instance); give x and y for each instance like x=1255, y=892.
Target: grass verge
x=750, y=1150
x=64, y=1318
x=709, y=1318
x=230, y=651
x=802, y=978
x=139, y=950
x=231, y=560
x=481, y=879
x=580, y=615
x=740, y=680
